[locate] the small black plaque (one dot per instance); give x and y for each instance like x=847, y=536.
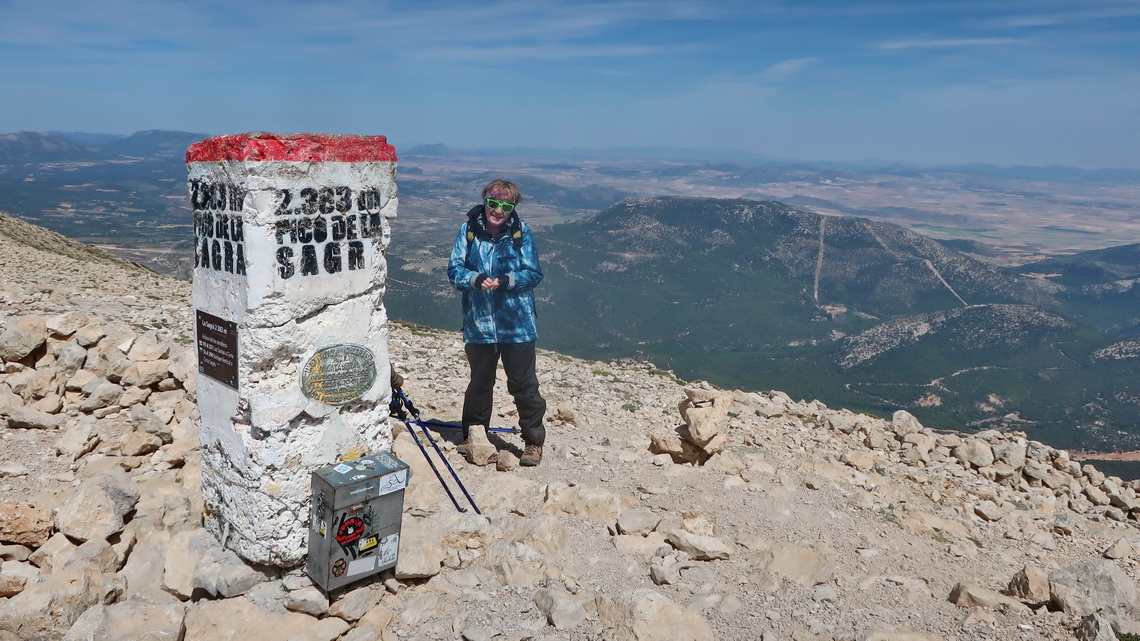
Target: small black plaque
x=338, y=374
x=217, y=348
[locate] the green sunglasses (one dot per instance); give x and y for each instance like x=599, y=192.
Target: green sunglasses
x=498, y=204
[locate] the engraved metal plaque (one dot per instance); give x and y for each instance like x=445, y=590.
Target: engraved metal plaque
x=338, y=374
x=217, y=348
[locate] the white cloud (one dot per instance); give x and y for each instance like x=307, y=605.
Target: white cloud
x=1068, y=18
x=517, y=53
x=786, y=69
x=944, y=43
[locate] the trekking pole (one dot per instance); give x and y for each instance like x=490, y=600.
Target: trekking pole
x=416, y=416
x=457, y=426
x=396, y=409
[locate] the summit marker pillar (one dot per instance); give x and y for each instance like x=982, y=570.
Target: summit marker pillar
x=291, y=333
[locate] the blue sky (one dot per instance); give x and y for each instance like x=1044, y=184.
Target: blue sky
x=1001, y=81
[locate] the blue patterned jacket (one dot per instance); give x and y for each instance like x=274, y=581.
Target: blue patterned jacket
x=502, y=315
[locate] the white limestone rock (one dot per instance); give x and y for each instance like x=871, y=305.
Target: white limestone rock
x=20, y=338
x=106, y=361
x=702, y=548
x=31, y=419
x=802, y=565
x=563, y=610
x=700, y=522
x=704, y=413
x=145, y=374
x=372, y=626
x=47, y=609
x=184, y=550
x=98, y=509
x=1120, y=549
x=11, y=469
x=95, y=554
x=24, y=523
x=78, y=439
x=69, y=359
x=638, y=546
x=106, y=394
x=423, y=608
x=903, y=423
x=214, y=620
x=1094, y=587
x=639, y=520
x=1095, y=628
x=53, y=554
x=480, y=451
x=596, y=503
x=1030, y=584
x=421, y=554
x=144, y=568
x=546, y=534
x=975, y=452
x=966, y=595
x=90, y=334
x=67, y=323
x=644, y=614
x=15, y=576
x=222, y=573
x=149, y=347
x=514, y=564
x=356, y=603
x=129, y=620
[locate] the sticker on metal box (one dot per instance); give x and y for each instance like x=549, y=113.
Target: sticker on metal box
x=393, y=482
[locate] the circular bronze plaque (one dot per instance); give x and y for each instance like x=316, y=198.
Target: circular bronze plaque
x=338, y=374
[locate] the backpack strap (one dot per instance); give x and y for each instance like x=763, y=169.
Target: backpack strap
x=515, y=237
x=515, y=230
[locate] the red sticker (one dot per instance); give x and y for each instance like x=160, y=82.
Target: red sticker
x=339, y=566
x=350, y=531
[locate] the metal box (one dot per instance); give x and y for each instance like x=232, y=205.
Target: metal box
x=354, y=525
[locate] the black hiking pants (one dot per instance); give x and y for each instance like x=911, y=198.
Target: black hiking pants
x=522, y=383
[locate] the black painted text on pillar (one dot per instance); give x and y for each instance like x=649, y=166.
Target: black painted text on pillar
x=218, y=232
x=324, y=230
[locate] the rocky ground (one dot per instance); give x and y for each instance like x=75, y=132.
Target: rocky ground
x=662, y=509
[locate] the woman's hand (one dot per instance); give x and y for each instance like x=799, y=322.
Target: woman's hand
x=483, y=281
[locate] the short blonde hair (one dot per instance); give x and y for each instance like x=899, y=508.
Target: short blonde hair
x=500, y=189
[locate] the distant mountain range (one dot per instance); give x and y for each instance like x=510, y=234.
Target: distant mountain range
x=39, y=146
x=745, y=293
x=36, y=146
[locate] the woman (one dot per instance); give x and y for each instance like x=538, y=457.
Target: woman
x=495, y=264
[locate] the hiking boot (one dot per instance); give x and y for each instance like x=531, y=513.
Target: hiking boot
x=532, y=456
x=464, y=448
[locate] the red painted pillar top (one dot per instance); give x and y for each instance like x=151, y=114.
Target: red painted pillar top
x=263, y=146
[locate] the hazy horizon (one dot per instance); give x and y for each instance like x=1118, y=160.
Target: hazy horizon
x=672, y=153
